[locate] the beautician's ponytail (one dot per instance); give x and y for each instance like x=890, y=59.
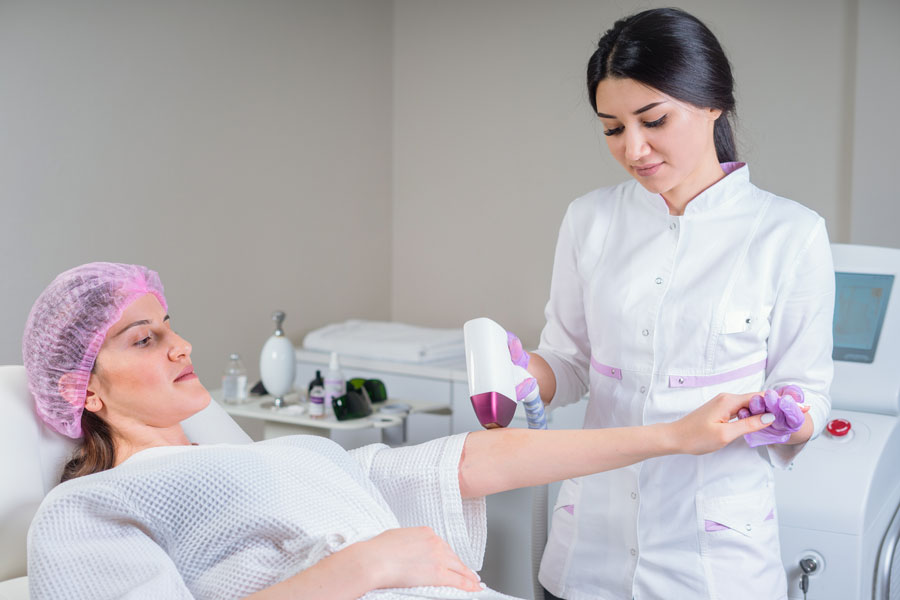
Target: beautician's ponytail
x=95, y=453
x=674, y=52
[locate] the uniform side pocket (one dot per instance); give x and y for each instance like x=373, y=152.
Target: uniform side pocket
x=739, y=546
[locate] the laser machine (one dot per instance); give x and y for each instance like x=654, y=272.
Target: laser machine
x=838, y=501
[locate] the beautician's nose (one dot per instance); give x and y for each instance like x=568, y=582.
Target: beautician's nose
x=180, y=347
x=636, y=146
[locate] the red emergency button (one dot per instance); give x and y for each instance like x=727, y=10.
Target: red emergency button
x=838, y=427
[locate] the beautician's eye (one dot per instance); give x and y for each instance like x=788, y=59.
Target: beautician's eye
x=657, y=122
x=615, y=131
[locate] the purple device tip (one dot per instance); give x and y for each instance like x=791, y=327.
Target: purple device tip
x=493, y=409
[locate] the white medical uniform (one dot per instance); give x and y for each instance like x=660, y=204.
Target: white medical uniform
x=225, y=521
x=655, y=314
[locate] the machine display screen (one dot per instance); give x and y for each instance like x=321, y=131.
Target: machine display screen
x=861, y=301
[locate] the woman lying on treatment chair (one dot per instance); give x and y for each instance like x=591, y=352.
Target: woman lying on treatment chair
x=144, y=513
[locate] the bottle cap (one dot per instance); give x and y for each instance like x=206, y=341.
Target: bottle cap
x=333, y=363
x=234, y=356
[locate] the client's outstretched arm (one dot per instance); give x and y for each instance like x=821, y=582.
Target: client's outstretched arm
x=505, y=459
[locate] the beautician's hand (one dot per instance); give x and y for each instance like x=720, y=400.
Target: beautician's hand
x=414, y=556
x=785, y=404
x=520, y=357
x=710, y=427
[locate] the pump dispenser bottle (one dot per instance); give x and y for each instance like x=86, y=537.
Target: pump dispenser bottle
x=335, y=385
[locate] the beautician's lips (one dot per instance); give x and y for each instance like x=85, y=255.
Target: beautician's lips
x=188, y=373
x=647, y=170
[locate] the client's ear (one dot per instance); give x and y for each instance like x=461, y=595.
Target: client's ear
x=69, y=384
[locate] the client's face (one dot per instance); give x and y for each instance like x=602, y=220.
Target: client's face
x=143, y=375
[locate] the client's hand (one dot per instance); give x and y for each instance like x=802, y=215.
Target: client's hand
x=710, y=427
x=414, y=556
x=785, y=404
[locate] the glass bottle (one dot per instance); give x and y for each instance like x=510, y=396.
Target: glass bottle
x=234, y=381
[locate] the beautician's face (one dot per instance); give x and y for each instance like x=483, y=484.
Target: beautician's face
x=662, y=142
x=143, y=371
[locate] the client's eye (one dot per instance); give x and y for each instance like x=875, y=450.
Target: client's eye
x=143, y=342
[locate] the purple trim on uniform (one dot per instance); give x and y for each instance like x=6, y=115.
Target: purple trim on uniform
x=569, y=508
x=713, y=526
x=493, y=409
x=613, y=372
x=691, y=381
x=731, y=167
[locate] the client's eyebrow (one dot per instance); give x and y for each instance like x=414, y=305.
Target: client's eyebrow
x=138, y=324
x=637, y=112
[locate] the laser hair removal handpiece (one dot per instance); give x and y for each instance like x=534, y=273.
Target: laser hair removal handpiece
x=492, y=383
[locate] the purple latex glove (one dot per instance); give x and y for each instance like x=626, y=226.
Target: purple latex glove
x=784, y=403
x=520, y=358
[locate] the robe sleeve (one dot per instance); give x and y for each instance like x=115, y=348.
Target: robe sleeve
x=421, y=485
x=92, y=545
x=800, y=339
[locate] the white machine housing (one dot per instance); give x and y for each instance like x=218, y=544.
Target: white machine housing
x=838, y=501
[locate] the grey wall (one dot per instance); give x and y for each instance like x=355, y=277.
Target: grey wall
x=241, y=149
x=875, y=205
x=405, y=159
x=494, y=136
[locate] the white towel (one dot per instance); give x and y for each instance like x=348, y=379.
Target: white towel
x=387, y=340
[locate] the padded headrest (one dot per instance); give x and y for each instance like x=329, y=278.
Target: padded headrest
x=32, y=457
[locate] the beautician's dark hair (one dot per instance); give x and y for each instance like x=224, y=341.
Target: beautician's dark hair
x=675, y=53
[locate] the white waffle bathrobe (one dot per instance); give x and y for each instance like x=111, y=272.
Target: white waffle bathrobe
x=225, y=521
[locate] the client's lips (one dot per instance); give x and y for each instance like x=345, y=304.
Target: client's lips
x=186, y=374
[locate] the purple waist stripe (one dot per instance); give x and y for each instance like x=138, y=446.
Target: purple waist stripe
x=606, y=369
x=677, y=381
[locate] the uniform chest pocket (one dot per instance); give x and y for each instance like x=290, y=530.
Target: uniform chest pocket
x=739, y=321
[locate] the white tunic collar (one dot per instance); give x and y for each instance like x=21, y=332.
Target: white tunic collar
x=722, y=192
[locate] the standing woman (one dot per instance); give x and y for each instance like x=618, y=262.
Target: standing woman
x=683, y=282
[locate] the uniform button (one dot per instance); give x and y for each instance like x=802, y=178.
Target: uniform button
x=681, y=380
x=748, y=527
x=633, y=552
x=658, y=280
x=645, y=332
x=633, y=496
x=643, y=389
x=673, y=226
x=612, y=371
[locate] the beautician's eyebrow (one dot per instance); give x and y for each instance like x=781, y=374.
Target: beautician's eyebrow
x=138, y=324
x=637, y=112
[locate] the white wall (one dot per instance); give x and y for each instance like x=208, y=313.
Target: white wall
x=494, y=136
x=242, y=149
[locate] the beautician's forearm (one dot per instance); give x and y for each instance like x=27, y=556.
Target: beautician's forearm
x=544, y=375
x=500, y=460
x=327, y=579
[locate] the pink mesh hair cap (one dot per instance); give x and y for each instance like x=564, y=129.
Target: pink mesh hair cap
x=67, y=326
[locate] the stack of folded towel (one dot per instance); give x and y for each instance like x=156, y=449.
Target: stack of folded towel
x=387, y=341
